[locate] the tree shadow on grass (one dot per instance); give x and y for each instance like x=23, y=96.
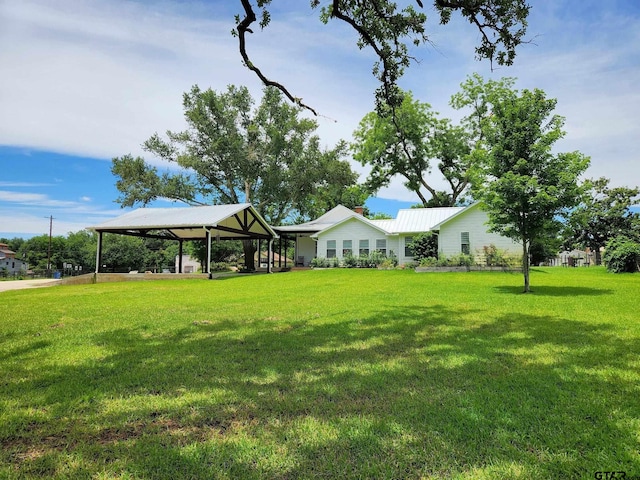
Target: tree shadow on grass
x=409, y=391
x=555, y=291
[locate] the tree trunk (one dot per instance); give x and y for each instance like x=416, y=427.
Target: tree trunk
x=598, y=258
x=525, y=266
x=249, y=250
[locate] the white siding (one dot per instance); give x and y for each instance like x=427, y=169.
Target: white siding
x=306, y=247
x=189, y=265
x=354, y=230
x=473, y=221
x=402, y=242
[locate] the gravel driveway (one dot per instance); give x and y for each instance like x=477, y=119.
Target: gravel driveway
x=21, y=284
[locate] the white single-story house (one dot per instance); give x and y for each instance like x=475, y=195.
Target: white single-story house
x=342, y=232
x=9, y=264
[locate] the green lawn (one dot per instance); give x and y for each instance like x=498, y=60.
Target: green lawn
x=329, y=374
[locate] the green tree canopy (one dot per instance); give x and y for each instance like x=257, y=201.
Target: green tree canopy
x=232, y=152
x=407, y=144
x=389, y=30
x=603, y=214
x=526, y=187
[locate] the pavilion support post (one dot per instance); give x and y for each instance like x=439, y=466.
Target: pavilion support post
x=280, y=252
x=270, y=256
x=208, y=240
x=259, y=253
x=180, y=245
x=286, y=245
x=99, y=253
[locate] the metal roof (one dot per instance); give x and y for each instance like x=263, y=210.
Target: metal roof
x=410, y=220
x=451, y=217
x=415, y=220
x=333, y=216
x=386, y=224
x=358, y=218
x=234, y=221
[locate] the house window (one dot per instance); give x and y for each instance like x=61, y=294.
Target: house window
x=381, y=245
x=465, y=245
x=408, y=250
x=331, y=248
x=364, y=247
x=347, y=248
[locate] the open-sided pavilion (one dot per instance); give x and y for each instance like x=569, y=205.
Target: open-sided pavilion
x=223, y=222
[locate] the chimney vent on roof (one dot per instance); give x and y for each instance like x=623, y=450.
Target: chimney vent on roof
x=359, y=210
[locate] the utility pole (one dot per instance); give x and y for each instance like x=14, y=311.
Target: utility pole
x=50, y=234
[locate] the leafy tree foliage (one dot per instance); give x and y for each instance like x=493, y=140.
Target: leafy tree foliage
x=120, y=253
x=13, y=243
x=378, y=216
x=221, y=251
x=389, y=30
x=526, y=187
x=622, y=254
x=602, y=215
x=35, y=251
x=234, y=153
x=425, y=245
x=477, y=96
x=407, y=144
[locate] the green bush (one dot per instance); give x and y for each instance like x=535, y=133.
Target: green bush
x=461, y=260
x=622, y=255
x=424, y=245
x=496, y=257
x=320, y=262
x=428, y=261
x=376, y=258
x=349, y=261
x=220, y=267
x=388, y=264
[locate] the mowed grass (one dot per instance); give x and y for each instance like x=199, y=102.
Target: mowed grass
x=324, y=374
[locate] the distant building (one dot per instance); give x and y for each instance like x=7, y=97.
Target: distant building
x=9, y=264
x=189, y=264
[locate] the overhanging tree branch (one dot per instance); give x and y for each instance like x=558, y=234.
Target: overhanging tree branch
x=243, y=28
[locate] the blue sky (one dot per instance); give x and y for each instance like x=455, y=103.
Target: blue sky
x=88, y=80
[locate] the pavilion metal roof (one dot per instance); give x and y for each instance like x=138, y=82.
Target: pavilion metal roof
x=236, y=221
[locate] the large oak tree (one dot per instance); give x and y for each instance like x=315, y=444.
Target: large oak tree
x=235, y=152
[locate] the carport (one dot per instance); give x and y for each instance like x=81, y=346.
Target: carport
x=223, y=222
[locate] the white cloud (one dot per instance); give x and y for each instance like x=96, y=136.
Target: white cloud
x=33, y=199
x=23, y=184
x=36, y=225
x=97, y=78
